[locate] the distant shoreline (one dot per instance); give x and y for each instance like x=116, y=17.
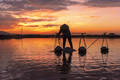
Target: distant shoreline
x=53, y=36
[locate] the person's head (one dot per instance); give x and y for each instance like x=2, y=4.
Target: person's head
x=64, y=27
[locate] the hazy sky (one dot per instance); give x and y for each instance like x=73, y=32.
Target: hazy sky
x=46, y=16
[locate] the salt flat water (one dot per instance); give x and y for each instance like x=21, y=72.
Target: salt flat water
x=32, y=59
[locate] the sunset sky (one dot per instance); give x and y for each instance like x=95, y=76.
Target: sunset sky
x=46, y=16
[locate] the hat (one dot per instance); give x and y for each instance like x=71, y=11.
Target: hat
x=64, y=27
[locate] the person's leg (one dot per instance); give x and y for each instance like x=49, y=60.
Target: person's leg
x=64, y=41
x=70, y=42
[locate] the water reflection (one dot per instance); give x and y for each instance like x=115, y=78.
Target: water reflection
x=82, y=60
x=104, y=57
x=66, y=63
x=64, y=67
x=35, y=62
x=57, y=59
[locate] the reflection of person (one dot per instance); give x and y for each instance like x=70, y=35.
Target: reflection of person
x=64, y=29
x=66, y=63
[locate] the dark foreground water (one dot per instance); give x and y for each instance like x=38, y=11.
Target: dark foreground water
x=31, y=59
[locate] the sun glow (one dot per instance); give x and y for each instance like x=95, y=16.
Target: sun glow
x=80, y=18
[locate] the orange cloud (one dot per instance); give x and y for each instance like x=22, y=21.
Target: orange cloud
x=92, y=17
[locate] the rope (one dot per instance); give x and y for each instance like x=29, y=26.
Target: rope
x=57, y=41
x=93, y=43
x=104, y=39
x=84, y=42
x=81, y=41
x=107, y=43
x=102, y=42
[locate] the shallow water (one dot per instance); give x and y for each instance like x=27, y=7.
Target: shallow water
x=32, y=59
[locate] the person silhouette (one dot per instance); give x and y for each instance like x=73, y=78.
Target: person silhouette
x=64, y=29
x=66, y=66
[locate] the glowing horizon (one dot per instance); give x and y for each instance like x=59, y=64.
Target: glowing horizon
x=45, y=16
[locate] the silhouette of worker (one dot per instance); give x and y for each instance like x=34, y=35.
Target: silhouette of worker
x=64, y=29
x=66, y=63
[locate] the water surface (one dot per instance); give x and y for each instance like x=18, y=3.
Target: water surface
x=32, y=59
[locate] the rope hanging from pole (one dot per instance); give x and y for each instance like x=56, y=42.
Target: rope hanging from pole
x=82, y=37
x=104, y=40
x=57, y=46
x=57, y=41
x=107, y=43
x=79, y=42
x=82, y=49
x=104, y=49
x=84, y=42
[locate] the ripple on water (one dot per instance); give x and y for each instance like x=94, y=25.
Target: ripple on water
x=34, y=61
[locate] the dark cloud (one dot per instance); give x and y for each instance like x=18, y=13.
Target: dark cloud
x=26, y=5
x=53, y=4
x=35, y=20
x=32, y=26
x=7, y=21
x=42, y=26
x=102, y=3
x=15, y=5
x=18, y=7
x=50, y=25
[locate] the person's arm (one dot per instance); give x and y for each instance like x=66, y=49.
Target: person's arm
x=58, y=34
x=60, y=31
